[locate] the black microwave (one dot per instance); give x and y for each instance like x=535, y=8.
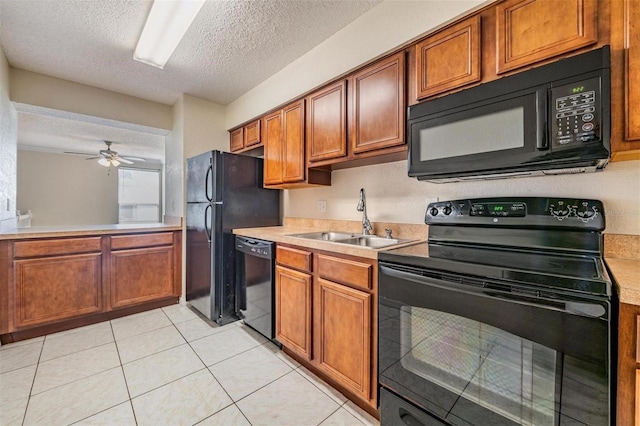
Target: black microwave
x=552, y=119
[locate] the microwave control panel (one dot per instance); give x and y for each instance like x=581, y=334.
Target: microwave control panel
x=576, y=113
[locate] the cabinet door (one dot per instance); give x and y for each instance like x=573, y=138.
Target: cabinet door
x=343, y=330
x=632, y=70
x=141, y=275
x=56, y=288
x=377, y=105
x=293, y=142
x=272, y=137
x=326, y=122
x=529, y=31
x=237, y=140
x=293, y=310
x=252, y=134
x=449, y=59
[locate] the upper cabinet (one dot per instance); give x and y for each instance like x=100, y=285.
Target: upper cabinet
x=327, y=122
x=529, y=31
x=377, y=105
x=449, y=59
x=246, y=137
x=284, y=149
x=237, y=139
x=625, y=79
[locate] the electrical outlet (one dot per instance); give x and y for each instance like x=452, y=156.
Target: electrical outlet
x=322, y=206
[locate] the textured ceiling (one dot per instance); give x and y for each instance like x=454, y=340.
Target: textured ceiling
x=232, y=46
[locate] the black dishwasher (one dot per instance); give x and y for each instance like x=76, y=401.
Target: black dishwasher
x=255, y=264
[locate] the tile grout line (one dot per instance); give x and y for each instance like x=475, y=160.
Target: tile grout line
x=124, y=376
x=33, y=382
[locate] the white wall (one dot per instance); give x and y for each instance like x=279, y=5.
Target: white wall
x=381, y=30
x=63, y=189
x=173, y=163
x=57, y=94
x=204, y=129
x=8, y=143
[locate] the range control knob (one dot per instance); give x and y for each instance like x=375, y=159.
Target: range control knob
x=433, y=211
x=447, y=210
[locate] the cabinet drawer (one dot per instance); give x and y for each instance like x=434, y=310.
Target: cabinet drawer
x=56, y=247
x=120, y=242
x=294, y=258
x=339, y=270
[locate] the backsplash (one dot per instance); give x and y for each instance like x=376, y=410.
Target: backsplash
x=393, y=197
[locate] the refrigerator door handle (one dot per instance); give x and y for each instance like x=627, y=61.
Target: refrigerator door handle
x=207, y=224
x=206, y=183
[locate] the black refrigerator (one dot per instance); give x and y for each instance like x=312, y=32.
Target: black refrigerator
x=224, y=191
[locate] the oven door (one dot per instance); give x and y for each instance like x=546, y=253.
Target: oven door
x=470, y=352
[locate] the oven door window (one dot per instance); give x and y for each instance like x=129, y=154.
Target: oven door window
x=488, y=360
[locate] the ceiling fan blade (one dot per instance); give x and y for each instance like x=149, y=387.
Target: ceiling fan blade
x=79, y=153
x=123, y=160
x=92, y=158
x=134, y=158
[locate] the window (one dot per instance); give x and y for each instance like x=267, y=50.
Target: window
x=138, y=195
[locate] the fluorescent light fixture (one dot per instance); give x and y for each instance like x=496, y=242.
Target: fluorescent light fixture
x=166, y=24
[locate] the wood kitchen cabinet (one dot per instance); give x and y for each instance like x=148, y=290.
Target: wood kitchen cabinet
x=529, y=31
x=330, y=299
x=628, y=405
x=326, y=117
x=284, y=150
x=246, y=137
x=293, y=300
x=57, y=283
x=448, y=59
x=56, y=280
x=236, y=140
x=625, y=79
x=142, y=268
x=377, y=106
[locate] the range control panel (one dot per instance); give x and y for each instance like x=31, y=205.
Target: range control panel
x=575, y=113
x=524, y=212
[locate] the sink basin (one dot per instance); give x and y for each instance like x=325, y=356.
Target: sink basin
x=324, y=236
x=372, y=241
x=369, y=241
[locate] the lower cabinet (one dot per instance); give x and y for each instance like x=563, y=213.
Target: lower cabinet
x=326, y=310
x=293, y=310
x=56, y=288
x=141, y=275
x=628, y=410
x=52, y=284
x=343, y=333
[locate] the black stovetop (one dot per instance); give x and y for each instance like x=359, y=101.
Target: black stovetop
x=546, y=244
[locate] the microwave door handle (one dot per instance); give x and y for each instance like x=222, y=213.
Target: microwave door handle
x=542, y=138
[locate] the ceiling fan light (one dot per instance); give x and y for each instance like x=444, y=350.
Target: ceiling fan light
x=115, y=163
x=104, y=162
x=166, y=24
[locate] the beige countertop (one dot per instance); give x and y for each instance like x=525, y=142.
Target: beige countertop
x=622, y=256
x=626, y=273
x=81, y=230
x=281, y=234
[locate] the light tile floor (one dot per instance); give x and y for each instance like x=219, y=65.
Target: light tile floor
x=163, y=367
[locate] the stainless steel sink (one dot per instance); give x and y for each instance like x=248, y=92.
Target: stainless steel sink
x=372, y=241
x=324, y=236
x=369, y=241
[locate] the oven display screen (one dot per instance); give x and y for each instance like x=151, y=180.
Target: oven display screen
x=499, y=209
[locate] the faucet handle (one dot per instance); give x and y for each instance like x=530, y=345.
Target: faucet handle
x=388, y=231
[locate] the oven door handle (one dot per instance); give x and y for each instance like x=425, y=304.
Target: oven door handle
x=591, y=310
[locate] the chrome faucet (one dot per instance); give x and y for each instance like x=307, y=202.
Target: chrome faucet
x=362, y=207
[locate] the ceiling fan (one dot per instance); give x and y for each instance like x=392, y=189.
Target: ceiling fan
x=108, y=158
